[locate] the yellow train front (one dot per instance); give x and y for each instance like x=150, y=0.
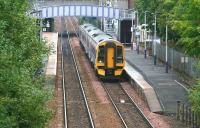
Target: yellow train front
x=105, y=53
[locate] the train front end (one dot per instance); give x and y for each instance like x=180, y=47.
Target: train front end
x=110, y=59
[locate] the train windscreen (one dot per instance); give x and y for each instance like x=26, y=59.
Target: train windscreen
x=101, y=54
x=119, y=55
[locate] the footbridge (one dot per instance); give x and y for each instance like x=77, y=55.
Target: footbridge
x=81, y=9
x=115, y=19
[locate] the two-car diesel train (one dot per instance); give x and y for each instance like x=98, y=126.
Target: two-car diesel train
x=104, y=52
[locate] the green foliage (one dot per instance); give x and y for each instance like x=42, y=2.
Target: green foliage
x=183, y=20
x=194, y=97
x=91, y=20
x=186, y=21
x=22, y=96
x=163, y=10
x=182, y=17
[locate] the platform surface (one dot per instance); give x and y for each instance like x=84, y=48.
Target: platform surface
x=166, y=85
x=52, y=39
x=147, y=90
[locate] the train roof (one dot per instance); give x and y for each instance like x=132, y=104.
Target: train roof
x=86, y=25
x=91, y=28
x=96, y=32
x=102, y=37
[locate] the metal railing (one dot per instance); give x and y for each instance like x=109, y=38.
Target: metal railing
x=179, y=61
x=186, y=115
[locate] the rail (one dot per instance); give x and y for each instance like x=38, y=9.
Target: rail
x=63, y=85
x=141, y=113
x=130, y=107
x=78, y=74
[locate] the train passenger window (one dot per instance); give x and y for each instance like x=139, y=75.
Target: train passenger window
x=101, y=54
x=100, y=40
x=119, y=55
x=94, y=35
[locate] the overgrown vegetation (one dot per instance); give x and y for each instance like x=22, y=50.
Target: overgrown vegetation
x=91, y=20
x=22, y=96
x=183, y=19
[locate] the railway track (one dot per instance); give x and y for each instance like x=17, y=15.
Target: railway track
x=76, y=110
x=128, y=111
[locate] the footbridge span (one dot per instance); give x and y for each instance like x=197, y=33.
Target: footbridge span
x=117, y=21
x=81, y=9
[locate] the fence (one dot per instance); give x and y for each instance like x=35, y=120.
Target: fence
x=178, y=61
x=186, y=115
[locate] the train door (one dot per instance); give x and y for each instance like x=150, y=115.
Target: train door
x=110, y=57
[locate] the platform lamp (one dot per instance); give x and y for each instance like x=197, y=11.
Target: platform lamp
x=166, y=49
x=144, y=38
x=154, y=39
x=136, y=32
x=132, y=26
x=145, y=34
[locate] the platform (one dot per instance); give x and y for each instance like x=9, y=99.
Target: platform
x=146, y=90
x=166, y=86
x=51, y=65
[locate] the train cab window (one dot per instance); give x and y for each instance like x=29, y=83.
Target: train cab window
x=101, y=54
x=119, y=56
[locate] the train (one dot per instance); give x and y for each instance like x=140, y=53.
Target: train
x=104, y=52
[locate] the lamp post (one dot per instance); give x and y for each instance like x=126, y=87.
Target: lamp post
x=154, y=40
x=137, y=42
x=132, y=29
x=166, y=56
x=145, y=43
x=132, y=26
x=101, y=4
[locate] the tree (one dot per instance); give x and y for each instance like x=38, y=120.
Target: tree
x=186, y=20
x=183, y=20
x=22, y=96
x=163, y=10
